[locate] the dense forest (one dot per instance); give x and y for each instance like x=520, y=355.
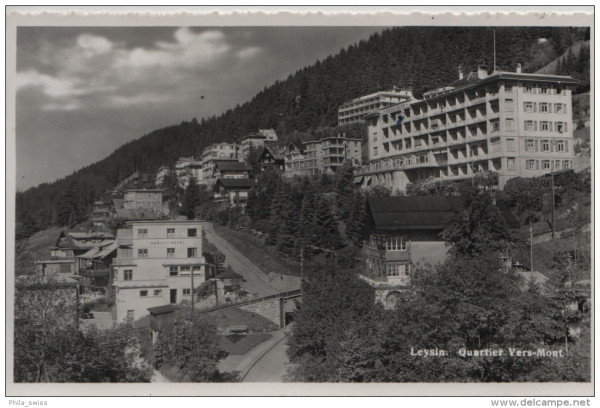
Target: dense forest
x=306, y=103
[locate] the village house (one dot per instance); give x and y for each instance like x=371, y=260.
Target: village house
x=156, y=263
x=271, y=157
x=230, y=169
x=294, y=160
x=217, y=152
x=404, y=233
x=69, y=245
x=256, y=141
x=187, y=168
x=325, y=155
x=101, y=212
x=94, y=267
x=231, y=191
x=161, y=174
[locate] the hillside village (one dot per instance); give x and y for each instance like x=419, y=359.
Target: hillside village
x=486, y=179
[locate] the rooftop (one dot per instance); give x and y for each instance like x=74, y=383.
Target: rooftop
x=420, y=212
x=428, y=212
x=232, y=166
x=236, y=183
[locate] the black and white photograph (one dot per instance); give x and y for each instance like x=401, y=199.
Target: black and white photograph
x=404, y=202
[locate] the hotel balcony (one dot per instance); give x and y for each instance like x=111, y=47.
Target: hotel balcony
x=477, y=101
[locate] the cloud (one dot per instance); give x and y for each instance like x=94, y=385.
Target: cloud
x=93, y=45
x=91, y=71
x=249, y=52
x=51, y=86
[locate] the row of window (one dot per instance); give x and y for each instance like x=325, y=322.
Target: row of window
x=545, y=126
x=389, y=243
x=191, y=252
x=546, y=145
x=397, y=269
x=547, y=164
x=532, y=164
x=156, y=292
x=544, y=107
x=191, y=232
x=536, y=89
x=183, y=270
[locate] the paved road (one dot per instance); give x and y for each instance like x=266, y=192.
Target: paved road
x=272, y=365
x=243, y=363
x=256, y=281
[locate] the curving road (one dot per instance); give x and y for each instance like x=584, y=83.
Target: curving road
x=256, y=281
x=272, y=365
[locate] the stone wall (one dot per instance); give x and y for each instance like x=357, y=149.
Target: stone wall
x=271, y=309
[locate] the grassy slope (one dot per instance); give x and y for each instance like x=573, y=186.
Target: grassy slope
x=41, y=242
x=263, y=256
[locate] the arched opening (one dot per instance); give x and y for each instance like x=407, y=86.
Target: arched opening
x=392, y=299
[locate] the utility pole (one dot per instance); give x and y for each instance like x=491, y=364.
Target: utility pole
x=530, y=247
x=552, y=183
x=494, y=50
x=192, y=275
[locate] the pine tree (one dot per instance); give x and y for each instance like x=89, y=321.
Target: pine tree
x=344, y=191
x=326, y=228
x=191, y=199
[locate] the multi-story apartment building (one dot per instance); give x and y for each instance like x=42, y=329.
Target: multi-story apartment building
x=154, y=265
x=326, y=155
x=214, y=153
x=322, y=156
x=161, y=173
x=187, y=168
x=516, y=124
x=146, y=199
x=354, y=110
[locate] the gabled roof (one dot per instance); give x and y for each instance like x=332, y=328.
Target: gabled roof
x=157, y=310
x=232, y=166
x=229, y=274
x=422, y=212
x=74, y=239
x=100, y=251
x=232, y=183
x=275, y=154
x=298, y=149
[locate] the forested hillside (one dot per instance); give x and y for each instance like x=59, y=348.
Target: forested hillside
x=421, y=57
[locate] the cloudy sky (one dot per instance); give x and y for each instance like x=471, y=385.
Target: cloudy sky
x=83, y=92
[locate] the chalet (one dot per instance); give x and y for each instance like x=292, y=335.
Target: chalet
x=232, y=191
x=94, y=266
x=294, y=160
x=102, y=210
x=70, y=244
x=271, y=158
x=232, y=169
x=405, y=233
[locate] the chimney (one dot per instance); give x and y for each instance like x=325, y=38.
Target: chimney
x=519, y=68
x=482, y=72
x=460, y=73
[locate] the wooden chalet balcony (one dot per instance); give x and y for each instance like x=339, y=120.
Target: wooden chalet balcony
x=94, y=272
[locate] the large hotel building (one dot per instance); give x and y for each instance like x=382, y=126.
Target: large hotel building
x=515, y=124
